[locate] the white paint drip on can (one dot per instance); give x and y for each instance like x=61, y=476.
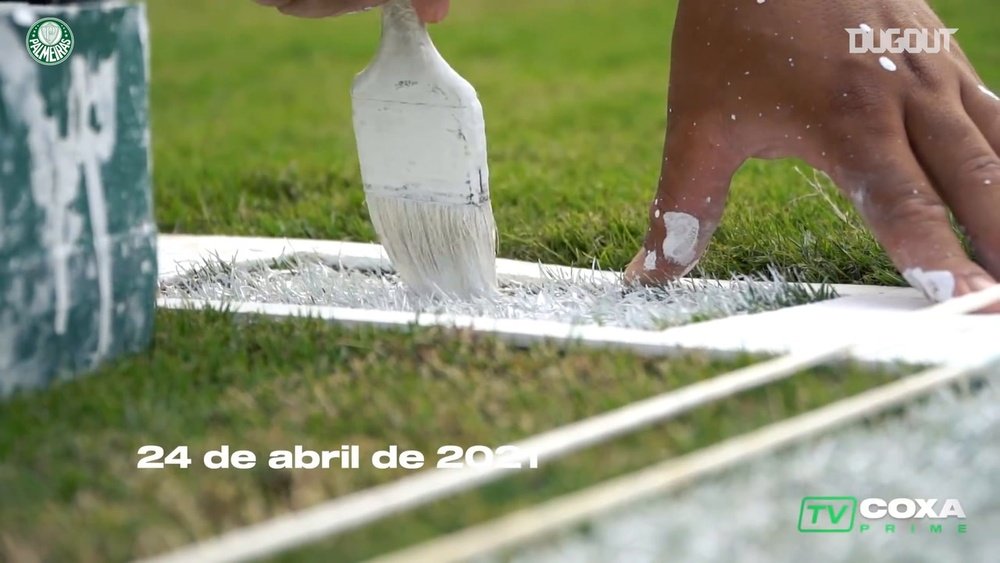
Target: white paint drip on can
x=937, y=285
x=681, y=240
x=23, y=16
x=96, y=91
x=59, y=163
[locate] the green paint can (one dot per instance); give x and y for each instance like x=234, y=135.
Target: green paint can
x=77, y=236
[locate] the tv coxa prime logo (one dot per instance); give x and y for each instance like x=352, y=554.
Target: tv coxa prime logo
x=840, y=514
x=49, y=41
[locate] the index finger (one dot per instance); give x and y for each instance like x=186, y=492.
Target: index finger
x=431, y=11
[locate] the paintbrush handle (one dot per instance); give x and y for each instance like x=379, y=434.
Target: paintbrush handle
x=403, y=34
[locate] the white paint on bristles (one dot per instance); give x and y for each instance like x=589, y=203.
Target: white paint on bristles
x=937, y=285
x=681, y=240
x=422, y=147
x=887, y=63
x=59, y=162
x=583, y=297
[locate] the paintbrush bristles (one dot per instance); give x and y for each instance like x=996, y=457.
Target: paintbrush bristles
x=438, y=249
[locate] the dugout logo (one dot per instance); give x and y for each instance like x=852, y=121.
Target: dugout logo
x=864, y=39
x=49, y=41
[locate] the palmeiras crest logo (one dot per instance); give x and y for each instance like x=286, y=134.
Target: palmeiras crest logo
x=49, y=41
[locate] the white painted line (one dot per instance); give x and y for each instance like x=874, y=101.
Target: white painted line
x=924, y=340
x=877, y=311
x=177, y=254
x=534, y=522
x=363, y=507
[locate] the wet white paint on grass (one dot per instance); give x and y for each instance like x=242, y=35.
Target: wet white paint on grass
x=310, y=280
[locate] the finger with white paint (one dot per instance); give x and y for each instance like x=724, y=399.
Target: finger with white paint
x=898, y=201
x=983, y=106
x=698, y=167
x=965, y=170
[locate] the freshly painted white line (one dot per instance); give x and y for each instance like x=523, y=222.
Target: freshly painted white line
x=922, y=339
x=534, y=522
x=357, y=509
x=177, y=254
x=875, y=310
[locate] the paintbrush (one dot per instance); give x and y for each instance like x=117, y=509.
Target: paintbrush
x=422, y=148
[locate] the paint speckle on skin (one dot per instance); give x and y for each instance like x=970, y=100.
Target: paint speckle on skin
x=650, y=262
x=866, y=28
x=937, y=285
x=681, y=240
x=988, y=92
x=656, y=213
x=887, y=63
x=733, y=116
x=761, y=1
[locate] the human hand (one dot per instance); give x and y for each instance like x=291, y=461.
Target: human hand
x=909, y=137
x=429, y=11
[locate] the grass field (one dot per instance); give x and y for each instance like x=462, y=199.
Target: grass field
x=252, y=135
